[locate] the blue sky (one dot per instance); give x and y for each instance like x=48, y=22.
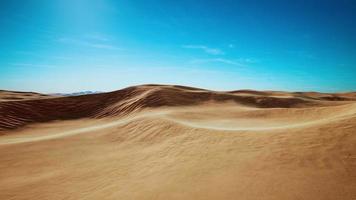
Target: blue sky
x=74, y=45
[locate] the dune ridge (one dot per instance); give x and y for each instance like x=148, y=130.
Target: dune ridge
x=177, y=142
x=6, y=95
x=14, y=114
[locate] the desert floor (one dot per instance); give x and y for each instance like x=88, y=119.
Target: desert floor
x=174, y=142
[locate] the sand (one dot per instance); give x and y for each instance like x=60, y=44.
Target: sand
x=176, y=142
x=6, y=95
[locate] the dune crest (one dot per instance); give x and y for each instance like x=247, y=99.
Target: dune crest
x=14, y=114
x=178, y=142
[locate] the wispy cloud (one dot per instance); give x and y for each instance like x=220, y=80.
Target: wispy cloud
x=88, y=44
x=219, y=60
x=98, y=37
x=41, y=55
x=102, y=46
x=301, y=54
x=61, y=57
x=32, y=65
x=247, y=60
x=212, y=51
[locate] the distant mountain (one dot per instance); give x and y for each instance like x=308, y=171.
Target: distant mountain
x=77, y=93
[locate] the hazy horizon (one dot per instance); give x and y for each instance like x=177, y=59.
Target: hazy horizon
x=218, y=90
x=64, y=46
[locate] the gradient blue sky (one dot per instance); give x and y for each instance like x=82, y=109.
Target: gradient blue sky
x=74, y=45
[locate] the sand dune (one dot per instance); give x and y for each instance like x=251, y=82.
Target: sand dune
x=178, y=142
x=14, y=114
x=6, y=95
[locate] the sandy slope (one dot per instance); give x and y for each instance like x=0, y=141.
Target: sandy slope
x=175, y=142
x=6, y=95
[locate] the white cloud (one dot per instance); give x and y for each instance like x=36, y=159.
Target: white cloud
x=102, y=46
x=301, y=54
x=212, y=51
x=88, y=44
x=32, y=65
x=98, y=37
x=247, y=60
x=61, y=57
x=219, y=60
x=41, y=55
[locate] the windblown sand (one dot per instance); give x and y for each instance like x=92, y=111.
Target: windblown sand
x=175, y=142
